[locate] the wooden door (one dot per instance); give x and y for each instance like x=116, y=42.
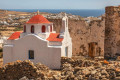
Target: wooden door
x=92, y=49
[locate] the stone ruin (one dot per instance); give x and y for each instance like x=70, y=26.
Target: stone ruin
x=112, y=32
x=84, y=36
x=98, y=38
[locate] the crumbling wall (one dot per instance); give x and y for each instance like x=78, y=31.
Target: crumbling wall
x=112, y=32
x=78, y=30
x=97, y=32
x=83, y=34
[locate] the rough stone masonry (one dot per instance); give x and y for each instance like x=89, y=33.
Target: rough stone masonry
x=112, y=32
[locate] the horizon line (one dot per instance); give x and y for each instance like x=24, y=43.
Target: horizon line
x=68, y=9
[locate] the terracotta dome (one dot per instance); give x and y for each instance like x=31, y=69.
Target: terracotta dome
x=37, y=19
x=54, y=37
x=14, y=36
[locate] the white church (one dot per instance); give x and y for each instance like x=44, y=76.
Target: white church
x=39, y=43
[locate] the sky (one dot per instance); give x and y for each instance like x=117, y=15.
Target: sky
x=57, y=4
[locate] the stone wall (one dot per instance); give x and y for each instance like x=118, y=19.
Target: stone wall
x=112, y=32
x=83, y=33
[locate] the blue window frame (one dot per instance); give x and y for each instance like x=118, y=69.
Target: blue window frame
x=31, y=54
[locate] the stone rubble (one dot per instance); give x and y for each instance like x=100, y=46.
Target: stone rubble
x=26, y=70
x=75, y=68
x=72, y=69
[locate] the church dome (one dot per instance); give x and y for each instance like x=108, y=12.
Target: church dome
x=37, y=19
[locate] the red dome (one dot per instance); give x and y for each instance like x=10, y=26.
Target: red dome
x=54, y=37
x=14, y=36
x=37, y=19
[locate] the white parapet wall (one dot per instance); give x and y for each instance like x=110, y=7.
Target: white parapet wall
x=53, y=43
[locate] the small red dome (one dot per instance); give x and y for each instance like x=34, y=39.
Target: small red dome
x=54, y=37
x=14, y=36
x=37, y=19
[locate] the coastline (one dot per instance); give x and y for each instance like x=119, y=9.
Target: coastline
x=79, y=12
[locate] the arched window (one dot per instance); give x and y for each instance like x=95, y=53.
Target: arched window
x=43, y=28
x=24, y=28
x=51, y=28
x=32, y=29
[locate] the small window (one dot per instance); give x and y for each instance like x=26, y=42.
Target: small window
x=43, y=28
x=24, y=28
x=32, y=29
x=31, y=54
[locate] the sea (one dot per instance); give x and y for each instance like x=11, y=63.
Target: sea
x=80, y=12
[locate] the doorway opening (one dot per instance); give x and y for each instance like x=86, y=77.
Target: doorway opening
x=92, y=49
x=66, y=51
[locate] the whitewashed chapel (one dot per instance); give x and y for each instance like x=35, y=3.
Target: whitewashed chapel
x=39, y=43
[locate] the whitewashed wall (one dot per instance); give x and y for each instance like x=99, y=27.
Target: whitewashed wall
x=54, y=43
x=67, y=41
x=49, y=56
x=7, y=53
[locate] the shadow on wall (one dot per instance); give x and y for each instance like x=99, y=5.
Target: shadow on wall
x=1, y=52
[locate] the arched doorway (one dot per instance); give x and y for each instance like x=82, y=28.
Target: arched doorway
x=43, y=29
x=50, y=28
x=32, y=29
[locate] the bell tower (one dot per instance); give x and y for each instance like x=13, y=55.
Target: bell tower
x=64, y=28
x=64, y=24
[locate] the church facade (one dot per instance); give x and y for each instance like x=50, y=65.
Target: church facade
x=39, y=43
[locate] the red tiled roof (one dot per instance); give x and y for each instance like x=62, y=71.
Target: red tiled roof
x=54, y=37
x=38, y=19
x=14, y=36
